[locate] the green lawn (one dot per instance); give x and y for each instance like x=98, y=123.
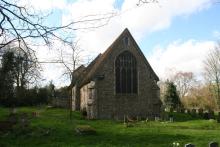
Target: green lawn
x=53, y=128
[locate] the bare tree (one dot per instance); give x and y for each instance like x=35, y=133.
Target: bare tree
x=26, y=67
x=200, y=96
x=212, y=71
x=18, y=72
x=21, y=24
x=71, y=57
x=184, y=82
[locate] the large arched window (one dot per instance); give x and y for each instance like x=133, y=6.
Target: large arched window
x=126, y=73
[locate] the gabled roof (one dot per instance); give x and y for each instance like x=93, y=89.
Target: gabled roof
x=142, y=55
x=92, y=68
x=77, y=74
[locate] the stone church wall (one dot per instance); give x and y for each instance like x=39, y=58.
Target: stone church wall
x=111, y=105
x=89, y=100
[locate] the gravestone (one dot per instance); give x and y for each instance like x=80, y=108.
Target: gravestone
x=189, y=145
x=213, y=144
x=35, y=114
x=157, y=118
x=13, y=110
x=171, y=117
x=24, y=121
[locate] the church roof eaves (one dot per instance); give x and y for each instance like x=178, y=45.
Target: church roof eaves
x=98, y=61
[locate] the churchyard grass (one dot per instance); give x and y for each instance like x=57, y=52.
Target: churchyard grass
x=53, y=128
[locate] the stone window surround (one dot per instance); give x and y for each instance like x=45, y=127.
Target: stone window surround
x=137, y=76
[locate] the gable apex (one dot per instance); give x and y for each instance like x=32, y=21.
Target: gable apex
x=126, y=33
x=89, y=75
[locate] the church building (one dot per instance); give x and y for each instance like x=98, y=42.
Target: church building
x=117, y=83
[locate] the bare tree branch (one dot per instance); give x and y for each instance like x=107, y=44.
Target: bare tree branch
x=212, y=71
x=17, y=23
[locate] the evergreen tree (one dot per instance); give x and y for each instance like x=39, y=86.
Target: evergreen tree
x=7, y=76
x=171, y=97
x=16, y=71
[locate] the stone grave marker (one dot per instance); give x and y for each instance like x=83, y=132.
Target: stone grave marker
x=189, y=145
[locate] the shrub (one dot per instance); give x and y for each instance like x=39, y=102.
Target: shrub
x=206, y=116
x=218, y=117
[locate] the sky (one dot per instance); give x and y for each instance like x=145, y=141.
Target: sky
x=174, y=35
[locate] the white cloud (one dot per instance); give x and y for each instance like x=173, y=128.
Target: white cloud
x=181, y=56
x=153, y=17
x=185, y=56
x=140, y=20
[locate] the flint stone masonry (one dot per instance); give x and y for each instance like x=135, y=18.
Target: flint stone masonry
x=95, y=91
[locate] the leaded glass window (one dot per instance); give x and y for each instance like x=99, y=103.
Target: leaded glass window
x=126, y=73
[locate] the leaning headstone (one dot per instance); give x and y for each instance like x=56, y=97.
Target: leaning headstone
x=213, y=144
x=189, y=145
